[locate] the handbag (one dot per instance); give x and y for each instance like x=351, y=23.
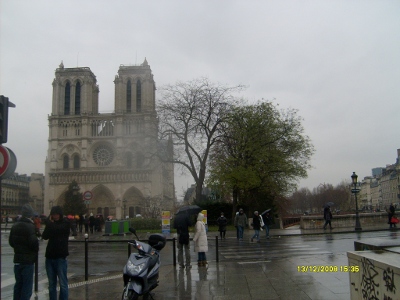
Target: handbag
x=394, y=220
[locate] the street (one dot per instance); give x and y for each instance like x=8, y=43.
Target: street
x=290, y=252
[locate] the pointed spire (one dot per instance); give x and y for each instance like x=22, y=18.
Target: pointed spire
x=145, y=63
x=61, y=65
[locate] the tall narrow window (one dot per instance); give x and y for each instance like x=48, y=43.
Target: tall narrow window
x=139, y=160
x=76, y=162
x=67, y=100
x=78, y=98
x=138, y=96
x=128, y=97
x=129, y=160
x=65, y=162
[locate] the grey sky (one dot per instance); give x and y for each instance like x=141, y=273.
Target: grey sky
x=337, y=62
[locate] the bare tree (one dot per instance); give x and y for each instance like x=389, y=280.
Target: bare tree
x=191, y=113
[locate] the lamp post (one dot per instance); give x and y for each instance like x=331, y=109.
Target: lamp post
x=355, y=191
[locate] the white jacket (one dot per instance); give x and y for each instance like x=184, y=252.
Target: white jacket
x=200, y=236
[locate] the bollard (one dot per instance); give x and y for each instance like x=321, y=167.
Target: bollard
x=86, y=257
x=174, y=251
x=37, y=273
x=129, y=250
x=216, y=249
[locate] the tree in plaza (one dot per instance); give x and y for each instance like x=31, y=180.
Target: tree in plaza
x=191, y=114
x=261, y=154
x=73, y=201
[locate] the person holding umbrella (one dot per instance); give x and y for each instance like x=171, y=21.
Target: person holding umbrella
x=181, y=224
x=200, y=241
x=327, y=216
x=267, y=221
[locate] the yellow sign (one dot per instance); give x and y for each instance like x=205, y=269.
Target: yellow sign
x=166, y=215
x=204, y=212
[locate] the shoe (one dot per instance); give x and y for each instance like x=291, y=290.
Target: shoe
x=331, y=228
x=188, y=266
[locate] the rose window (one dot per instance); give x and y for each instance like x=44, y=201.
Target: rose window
x=103, y=155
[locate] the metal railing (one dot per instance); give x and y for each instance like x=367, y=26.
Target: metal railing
x=129, y=251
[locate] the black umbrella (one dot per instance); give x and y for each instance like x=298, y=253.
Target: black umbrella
x=266, y=211
x=189, y=209
x=329, y=204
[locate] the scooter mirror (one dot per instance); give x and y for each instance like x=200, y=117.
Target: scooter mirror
x=133, y=230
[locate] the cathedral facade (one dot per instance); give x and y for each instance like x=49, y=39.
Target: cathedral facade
x=117, y=158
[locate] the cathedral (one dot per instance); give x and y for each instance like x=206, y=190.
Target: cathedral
x=116, y=158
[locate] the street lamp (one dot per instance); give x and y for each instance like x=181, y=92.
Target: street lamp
x=355, y=191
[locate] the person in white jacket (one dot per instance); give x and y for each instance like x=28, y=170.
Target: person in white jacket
x=200, y=240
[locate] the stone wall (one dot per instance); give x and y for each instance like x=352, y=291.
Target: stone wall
x=342, y=221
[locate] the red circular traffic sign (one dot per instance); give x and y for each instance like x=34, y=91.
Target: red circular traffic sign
x=4, y=159
x=88, y=195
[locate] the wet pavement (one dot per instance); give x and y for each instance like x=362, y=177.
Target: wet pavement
x=271, y=269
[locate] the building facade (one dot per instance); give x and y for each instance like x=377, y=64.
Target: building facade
x=383, y=188
x=117, y=157
x=14, y=194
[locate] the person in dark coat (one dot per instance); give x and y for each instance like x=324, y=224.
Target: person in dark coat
x=222, y=222
x=57, y=232
x=80, y=222
x=26, y=247
x=181, y=224
x=86, y=223
x=327, y=216
x=390, y=215
x=92, y=222
x=256, y=226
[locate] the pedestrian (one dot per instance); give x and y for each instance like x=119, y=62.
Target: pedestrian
x=91, y=222
x=391, y=212
x=200, y=241
x=237, y=228
x=37, y=222
x=80, y=222
x=327, y=216
x=57, y=232
x=182, y=224
x=74, y=226
x=267, y=223
x=26, y=247
x=256, y=226
x=222, y=222
x=241, y=223
x=86, y=223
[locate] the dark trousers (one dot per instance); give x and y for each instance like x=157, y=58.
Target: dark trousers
x=23, y=281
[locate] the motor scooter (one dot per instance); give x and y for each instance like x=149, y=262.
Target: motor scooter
x=141, y=271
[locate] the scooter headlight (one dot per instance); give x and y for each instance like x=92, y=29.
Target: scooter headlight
x=135, y=269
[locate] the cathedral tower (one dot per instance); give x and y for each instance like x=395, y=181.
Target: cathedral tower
x=112, y=155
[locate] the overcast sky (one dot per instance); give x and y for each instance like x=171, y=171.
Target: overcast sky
x=337, y=62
